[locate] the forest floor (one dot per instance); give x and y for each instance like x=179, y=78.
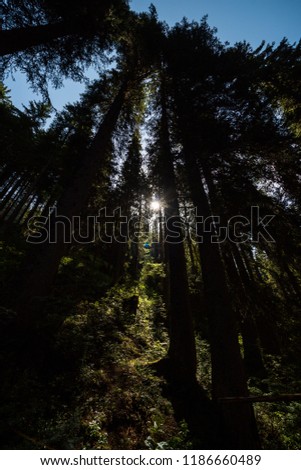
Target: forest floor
x=90, y=384
x=87, y=381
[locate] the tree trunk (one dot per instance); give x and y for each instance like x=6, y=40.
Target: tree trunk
x=121, y=247
x=12, y=202
x=20, y=212
x=19, y=39
x=228, y=376
x=252, y=353
x=25, y=200
x=5, y=183
x=189, y=242
x=23, y=219
x=9, y=190
x=182, y=350
x=41, y=265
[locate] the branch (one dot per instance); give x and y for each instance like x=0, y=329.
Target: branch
x=262, y=398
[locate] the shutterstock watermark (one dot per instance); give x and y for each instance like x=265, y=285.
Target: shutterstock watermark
x=112, y=226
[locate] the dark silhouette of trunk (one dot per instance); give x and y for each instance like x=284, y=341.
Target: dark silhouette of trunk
x=189, y=241
x=19, y=39
x=252, y=354
x=126, y=245
x=246, y=292
x=29, y=195
x=41, y=265
x=120, y=249
x=182, y=352
x=7, y=181
x=6, y=173
x=19, y=212
x=134, y=246
x=22, y=219
x=13, y=201
x=265, y=323
x=268, y=335
x=161, y=236
x=23, y=201
x=10, y=189
x=48, y=206
x=238, y=274
x=228, y=375
x=293, y=284
x=248, y=260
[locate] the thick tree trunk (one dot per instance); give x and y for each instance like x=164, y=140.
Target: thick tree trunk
x=41, y=265
x=182, y=350
x=19, y=39
x=228, y=376
x=252, y=354
x=245, y=290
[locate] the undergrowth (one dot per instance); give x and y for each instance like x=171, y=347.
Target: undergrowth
x=91, y=386
x=87, y=382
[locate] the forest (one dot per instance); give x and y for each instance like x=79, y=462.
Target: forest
x=149, y=234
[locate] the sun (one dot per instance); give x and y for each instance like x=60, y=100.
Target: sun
x=155, y=205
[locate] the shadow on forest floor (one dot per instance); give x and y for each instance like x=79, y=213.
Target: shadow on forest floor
x=87, y=384
x=85, y=379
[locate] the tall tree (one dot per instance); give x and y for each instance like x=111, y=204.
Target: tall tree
x=50, y=41
x=228, y=376
x=181, y=360
x=42, y=263
x=29, y=24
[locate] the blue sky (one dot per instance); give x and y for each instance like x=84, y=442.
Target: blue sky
x=236, y=20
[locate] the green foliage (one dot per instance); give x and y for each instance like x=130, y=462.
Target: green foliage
x=86, y=35
x=180, y=441
x=279, y=425
x=153, y=277
x=204, y=364
x=97, y=391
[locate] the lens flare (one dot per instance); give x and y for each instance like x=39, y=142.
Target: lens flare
x=155, y=205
